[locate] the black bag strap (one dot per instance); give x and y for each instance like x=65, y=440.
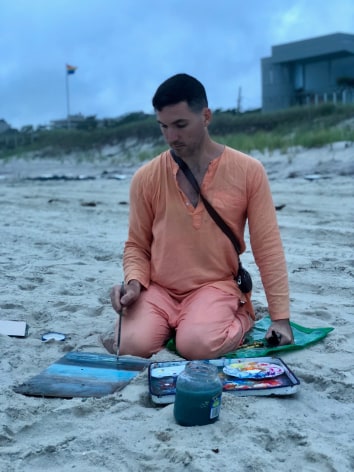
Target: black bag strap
x=211, y=210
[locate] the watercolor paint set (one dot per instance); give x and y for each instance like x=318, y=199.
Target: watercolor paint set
x=242, y=377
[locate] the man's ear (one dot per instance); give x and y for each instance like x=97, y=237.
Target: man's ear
x=207, y=116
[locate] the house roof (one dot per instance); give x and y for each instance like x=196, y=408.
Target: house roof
x=334, y=45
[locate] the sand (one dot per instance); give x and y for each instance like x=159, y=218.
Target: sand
x=61, y=251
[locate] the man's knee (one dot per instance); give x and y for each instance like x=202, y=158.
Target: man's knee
x=199, y=344
x=138, y=344
x=136, y=349
x=194, y=347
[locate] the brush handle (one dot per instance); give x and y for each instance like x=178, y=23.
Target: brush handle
x=120, y=319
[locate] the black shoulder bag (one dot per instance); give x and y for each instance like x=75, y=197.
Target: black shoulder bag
x=243, y=278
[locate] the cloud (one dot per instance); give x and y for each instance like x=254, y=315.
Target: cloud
x=125, y=48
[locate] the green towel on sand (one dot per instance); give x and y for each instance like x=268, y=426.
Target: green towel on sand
x=302, y=337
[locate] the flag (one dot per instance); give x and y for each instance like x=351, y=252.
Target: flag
x=70, y=69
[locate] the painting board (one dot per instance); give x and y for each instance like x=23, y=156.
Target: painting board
x=82, y=374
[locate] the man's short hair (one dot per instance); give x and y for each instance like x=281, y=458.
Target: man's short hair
x=180, y=88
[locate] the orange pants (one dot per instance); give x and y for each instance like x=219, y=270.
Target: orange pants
x=208, y=323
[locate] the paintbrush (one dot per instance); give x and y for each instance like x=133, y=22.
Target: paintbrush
x=121, y=293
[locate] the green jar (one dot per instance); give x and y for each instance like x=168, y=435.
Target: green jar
x=198, y=394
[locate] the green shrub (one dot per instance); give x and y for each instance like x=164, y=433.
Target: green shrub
x=306, y=126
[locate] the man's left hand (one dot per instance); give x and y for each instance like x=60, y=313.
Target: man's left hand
x=282, y=330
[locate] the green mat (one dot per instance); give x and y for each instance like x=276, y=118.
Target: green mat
x=255, y=344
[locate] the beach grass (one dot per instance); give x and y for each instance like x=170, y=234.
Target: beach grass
x=263, y=141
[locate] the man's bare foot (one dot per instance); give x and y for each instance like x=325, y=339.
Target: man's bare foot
x=109, y=344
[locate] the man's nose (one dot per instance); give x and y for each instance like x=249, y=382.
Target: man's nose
x=171, y=135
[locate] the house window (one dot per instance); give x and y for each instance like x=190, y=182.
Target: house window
x=271, y=75
x=299, y=76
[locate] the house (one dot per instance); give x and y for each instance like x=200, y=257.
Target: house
x=78, y=121
x=310, y=71
x=4, y=126
x=73, y=121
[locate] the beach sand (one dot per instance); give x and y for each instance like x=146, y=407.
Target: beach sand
x=61, y=252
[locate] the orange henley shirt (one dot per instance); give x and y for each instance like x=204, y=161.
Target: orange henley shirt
x=181, y=248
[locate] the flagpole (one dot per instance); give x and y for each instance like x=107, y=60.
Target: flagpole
x=68, y=71
x=67, y=99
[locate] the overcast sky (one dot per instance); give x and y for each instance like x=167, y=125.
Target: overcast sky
x=124, y=49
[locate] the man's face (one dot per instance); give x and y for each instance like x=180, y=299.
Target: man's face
x=183, y=129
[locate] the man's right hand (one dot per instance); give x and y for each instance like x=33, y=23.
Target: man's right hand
x=131, y=294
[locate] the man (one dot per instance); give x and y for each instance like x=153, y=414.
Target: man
x=179, y=266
